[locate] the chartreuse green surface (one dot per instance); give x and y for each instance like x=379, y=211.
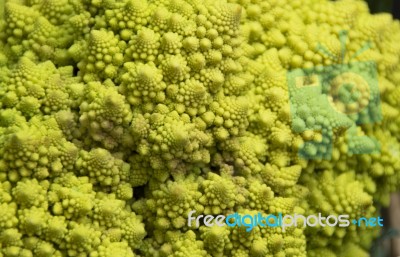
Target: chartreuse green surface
x=117, y=118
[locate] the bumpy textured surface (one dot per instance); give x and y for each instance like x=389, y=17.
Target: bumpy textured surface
x=118, y=117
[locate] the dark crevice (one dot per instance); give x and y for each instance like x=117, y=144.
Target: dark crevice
x=389, y=6
x=396, y=9
x=138, y=192
x=75, y=71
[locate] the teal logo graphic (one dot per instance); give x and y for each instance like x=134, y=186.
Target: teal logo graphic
x=335, y=100
x=371, y=222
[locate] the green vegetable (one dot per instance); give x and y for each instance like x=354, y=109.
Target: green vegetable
x=119, y=117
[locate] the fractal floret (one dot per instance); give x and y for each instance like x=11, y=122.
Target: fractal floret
x=119, y=118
